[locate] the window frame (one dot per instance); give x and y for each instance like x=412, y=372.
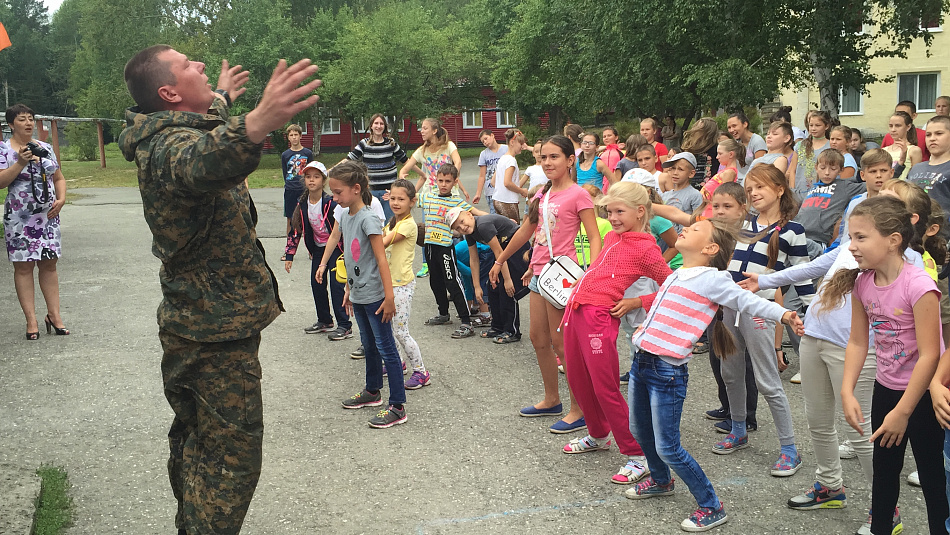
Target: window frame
x=391, y=119
x=329, y=121
x=841, y=110
x=510, y=115
x=929, y=106
x=465, y=122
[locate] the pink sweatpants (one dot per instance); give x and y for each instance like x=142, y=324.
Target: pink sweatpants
x=593, y=371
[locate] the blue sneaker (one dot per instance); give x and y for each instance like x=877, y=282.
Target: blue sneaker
x=786, y=466
x=560, y=427
x=531, y=412
x=819, y=497
x=424, y=272
x=705, y=518
x=733, y=443
x=648, y=488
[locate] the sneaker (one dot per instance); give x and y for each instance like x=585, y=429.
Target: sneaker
x=424, y=272
x=786, y=466
x=363, y=399
x=464, y=331
x=704, y=519
x=819, y=497
x=913, y=479
x=561, y=427
x=418, y=380
x=717, y=415
x=625, y=378
x=439, y=320
x=846, y=450
x=586, y=444
x=796, y=379
x=388, y=417
x=648, y=488
x=730, y=444
x=897, y=527
x=340, y=334
x=560, y=366
x=386, y=372
x=635, y=470
x=725, y=426
x=318, y=328
x=358, y=353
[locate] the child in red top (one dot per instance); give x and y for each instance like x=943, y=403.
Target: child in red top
x=592, y=319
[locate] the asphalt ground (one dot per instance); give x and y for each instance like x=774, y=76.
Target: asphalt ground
x=465, y=462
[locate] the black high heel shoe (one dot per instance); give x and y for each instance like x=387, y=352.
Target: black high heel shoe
x=33, y=336
x=61, y=331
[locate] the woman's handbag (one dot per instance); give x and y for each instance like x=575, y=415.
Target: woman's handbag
x=557, y=278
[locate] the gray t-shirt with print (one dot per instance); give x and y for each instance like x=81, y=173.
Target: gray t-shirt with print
x=489, y=159
x=687, y=199
x=362, y=271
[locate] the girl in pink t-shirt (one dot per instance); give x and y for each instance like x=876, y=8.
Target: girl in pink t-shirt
x=568, y=207
x=900, y=302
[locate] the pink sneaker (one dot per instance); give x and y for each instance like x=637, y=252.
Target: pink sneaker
x=418, y=380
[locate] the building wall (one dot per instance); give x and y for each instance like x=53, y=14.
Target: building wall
x=878, y=104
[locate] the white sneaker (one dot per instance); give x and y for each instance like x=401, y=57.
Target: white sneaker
x=796, y=379
x=913, y=479
x=846, y=450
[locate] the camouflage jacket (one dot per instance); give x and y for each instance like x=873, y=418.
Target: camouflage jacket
x=191, y=169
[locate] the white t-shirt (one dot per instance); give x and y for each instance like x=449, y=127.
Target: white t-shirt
x=503, y=194
x=375, y=206
x=536, y=176
x=489, y=159
x=318, y=222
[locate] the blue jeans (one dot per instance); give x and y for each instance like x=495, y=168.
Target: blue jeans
x=336, y=291
x=380, y=347
x=378, y=193
x=656, y=393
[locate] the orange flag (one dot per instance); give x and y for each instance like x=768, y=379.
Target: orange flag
x=4, y=38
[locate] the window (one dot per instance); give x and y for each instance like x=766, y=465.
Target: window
x=361, y=125
x=507, y=119
x=921, y=89
x=472, y=119
x=930, y=24
x=331, y=125
x=392, y=121
x=851, y=101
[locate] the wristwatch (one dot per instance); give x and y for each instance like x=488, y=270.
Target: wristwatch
x=223, y=93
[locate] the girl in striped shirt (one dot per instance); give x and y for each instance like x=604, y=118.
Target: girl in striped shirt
x=682, y=309
x=778, y=243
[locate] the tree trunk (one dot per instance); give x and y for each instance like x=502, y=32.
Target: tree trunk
x=827, y=93
x=315, y=121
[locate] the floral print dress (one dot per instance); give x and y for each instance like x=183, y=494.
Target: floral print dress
x=30, y=235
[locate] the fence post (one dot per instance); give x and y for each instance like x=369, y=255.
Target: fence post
x=102, y=145
x=54, y=132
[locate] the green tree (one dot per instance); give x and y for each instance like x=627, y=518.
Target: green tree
x=63, y=46
x=23, y=66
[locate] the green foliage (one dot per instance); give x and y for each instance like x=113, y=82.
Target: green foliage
x=279, y=139
x=24, y=65
x=53, y=505
x=83, y=141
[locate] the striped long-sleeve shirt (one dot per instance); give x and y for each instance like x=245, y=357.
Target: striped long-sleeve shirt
x=380, y=160
x=685, y=306
x=754, y=257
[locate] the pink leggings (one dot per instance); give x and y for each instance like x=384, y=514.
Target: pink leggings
x=593, y=371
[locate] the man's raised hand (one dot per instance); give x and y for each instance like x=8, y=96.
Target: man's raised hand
x=232, y=80
x=284, y=97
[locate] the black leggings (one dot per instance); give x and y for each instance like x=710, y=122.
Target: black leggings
x=444, y=280
x=926, y=441
x=751, y=390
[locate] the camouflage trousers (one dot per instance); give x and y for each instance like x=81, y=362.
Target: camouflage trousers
x=217, y=435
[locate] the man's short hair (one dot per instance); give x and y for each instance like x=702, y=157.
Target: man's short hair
x=448, y=169
x=144, y=74
x=876, y=157
x=831, y=157
x=294, y=128
x=485, y=132
x=908, y=103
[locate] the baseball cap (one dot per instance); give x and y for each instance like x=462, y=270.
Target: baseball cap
x=688, y=156
x=453, y=215
x=640, y=176
x=316, y=165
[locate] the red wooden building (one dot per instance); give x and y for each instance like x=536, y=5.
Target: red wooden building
x=463, y=128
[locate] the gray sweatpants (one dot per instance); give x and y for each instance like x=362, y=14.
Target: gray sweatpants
x=758, y=336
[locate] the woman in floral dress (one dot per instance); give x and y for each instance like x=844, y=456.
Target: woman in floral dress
x=36, y=194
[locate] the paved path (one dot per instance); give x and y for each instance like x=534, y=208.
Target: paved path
x=464, y=463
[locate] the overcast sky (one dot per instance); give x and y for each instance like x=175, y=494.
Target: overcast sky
x=52, y=5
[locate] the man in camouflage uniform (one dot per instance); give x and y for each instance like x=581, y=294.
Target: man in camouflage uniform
x=219, y=293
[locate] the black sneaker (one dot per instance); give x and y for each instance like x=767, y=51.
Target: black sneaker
x=439, y=320
x=717, y=415
x=625, y=378
x=318, y=328
x=388, y=417
x=340, y=334
x=725, y=426
x=358, y=353
x=363, y=399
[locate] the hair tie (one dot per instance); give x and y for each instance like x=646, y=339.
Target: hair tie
x=539, y=194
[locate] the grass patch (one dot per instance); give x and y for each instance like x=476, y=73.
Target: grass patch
x=53, y=506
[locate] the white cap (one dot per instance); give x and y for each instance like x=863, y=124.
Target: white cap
x=642, y=177
x=316, y=165
x=683, y=155
x=453, y=216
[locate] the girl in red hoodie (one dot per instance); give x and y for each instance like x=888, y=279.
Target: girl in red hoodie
x=592, y=320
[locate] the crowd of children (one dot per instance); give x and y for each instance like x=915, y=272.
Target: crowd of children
x=716, y=247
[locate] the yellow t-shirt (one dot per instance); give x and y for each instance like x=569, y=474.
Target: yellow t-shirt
x=582, y=244
x=930, y=266
x=402, y=253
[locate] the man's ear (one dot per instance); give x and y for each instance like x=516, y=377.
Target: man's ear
x=168, y=93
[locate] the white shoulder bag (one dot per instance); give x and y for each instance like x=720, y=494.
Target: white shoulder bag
x=557, y=278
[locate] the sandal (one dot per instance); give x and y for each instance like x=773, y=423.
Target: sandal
x=700, y=347
x=491, y=333
x=480, y=321
x=507, y=338
x=586, y=444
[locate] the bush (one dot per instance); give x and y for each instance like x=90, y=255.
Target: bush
x=82, y=142
x=279, y=140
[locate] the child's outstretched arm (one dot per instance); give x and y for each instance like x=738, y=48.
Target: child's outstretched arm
x=388, y=308
x=332, y=242
x=939, y=393
x=854, y=356
x=672, y=213
x=927, y=328
x=790, y=275
x=519, y=238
